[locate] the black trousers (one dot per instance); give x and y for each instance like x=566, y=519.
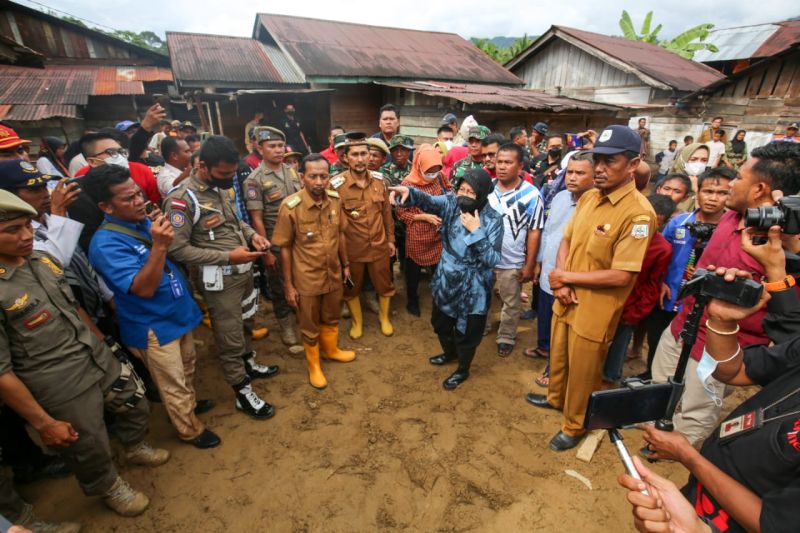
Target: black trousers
x=413, y=273
x=657, y=322
x=454, y=343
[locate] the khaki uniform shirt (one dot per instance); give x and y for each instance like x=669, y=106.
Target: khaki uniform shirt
x=204, y=233
x=606, y=232
x=370, y=227
x=313, y=231
x=265, y=189
x=42, y=338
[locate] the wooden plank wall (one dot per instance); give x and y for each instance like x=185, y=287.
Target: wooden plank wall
x=356, y=107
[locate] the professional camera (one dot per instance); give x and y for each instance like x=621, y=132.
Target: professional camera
x=786, y=214
x=701, y=231
x=742, y=292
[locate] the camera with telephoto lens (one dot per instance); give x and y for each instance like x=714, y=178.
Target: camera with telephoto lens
x=701, y=231
x=742, y=292
x=785, y=213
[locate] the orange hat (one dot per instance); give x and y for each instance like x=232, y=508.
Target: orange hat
x=10, y=139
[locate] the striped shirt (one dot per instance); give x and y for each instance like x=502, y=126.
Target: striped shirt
x=523, y=210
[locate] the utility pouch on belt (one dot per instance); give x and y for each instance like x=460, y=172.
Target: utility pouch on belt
x=212, y=278
x=126, y=374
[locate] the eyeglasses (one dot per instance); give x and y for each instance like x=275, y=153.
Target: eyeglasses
x=113, y=152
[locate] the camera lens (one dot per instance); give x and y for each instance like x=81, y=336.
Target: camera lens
x=763, y=217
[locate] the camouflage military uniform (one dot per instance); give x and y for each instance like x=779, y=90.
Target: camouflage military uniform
x=394, y=174
x=336, y=168
x=461, y=166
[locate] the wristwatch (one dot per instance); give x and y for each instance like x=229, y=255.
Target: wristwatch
x=775, y=286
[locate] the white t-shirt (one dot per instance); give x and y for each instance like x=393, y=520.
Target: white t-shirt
x=716, y=151
x=166, y=178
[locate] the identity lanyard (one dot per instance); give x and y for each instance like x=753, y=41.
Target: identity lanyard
x=753, y=420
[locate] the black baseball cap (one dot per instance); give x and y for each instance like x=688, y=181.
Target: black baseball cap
x=19, y=174
x=616, y=139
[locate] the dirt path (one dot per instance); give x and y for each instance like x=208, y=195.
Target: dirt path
x=384, y=447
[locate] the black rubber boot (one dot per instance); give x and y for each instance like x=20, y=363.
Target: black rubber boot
x=448, y=351
x=465, y=356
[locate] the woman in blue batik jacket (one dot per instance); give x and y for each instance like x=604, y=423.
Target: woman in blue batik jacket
x=472, y=236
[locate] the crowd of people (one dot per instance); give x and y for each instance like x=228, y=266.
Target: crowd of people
x=113, y=249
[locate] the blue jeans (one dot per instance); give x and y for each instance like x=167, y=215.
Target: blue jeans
x=612, y=372
x=544, y=318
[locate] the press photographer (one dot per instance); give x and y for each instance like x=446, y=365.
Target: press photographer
x=745, y=477
x=772, y=171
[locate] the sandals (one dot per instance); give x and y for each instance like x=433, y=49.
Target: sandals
x=535, y=353
x=544, y=379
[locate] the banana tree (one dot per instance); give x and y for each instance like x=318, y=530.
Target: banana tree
x=684, y=44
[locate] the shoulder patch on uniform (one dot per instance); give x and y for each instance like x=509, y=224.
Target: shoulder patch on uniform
x=332, y=194
x=293, y=201
x=177, y=219
x=337, y=182
x=50, y=263
x=640, y=231
x=252, y=193
x=377, y=175
x=175, y=203
x=641, y=218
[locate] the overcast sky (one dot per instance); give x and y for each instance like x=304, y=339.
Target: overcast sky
x=469, y=18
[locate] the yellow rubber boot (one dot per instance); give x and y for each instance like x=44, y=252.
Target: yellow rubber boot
x=315, y=375
x=383, y=316
x=329, y=341
x=356, y=328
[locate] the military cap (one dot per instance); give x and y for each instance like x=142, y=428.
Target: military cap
x=290, y=152
x=355, y=138
x=540, y=127
x=449, y=119
x=339, y=140
x=374, y=142
x=401, y=140
x=12, y=206
x=268, y=133
x=478, y=132
x=188, y=124
x=792, y=126
x=19, y=174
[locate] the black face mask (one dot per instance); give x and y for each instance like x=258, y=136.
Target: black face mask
x=222, y=184
x=467, y=204
x=554, y=153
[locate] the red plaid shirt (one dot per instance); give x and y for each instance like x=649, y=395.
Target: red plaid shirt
x=423, y=240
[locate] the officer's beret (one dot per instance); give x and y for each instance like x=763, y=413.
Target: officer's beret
x=19, y=174
x=268, y=133
x=12, y=206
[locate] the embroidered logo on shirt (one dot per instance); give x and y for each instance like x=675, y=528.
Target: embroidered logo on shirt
x=177, y=219
x=178, y=204
x=680, y=233
x=640, y=231
x=19, y=303
x=57, y=271
x=42, y=317
x=252, y=194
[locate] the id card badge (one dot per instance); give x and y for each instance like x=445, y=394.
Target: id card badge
x=212, y=278
x=176, y=287
x=740, y=425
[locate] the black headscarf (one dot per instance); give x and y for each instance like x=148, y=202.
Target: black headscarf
x=48, y=151
x=481, y=183
x=736, y=145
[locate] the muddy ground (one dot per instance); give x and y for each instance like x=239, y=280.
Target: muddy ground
x=383, y=448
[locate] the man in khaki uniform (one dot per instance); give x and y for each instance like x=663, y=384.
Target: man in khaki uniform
x=600, y=255
x=58, y=375
x=209, y=235
x=369, y=232
x=310, y=233
x=264, y=190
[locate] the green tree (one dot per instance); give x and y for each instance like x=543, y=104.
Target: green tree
x=145, y=39
x=685, y=44
x=502, y=54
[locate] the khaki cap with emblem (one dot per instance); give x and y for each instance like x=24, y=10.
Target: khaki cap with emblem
x=268, y=133
x=401, y=140
x=374, y=142
x=12, y=206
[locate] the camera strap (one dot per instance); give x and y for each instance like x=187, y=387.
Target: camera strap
x=753, y=420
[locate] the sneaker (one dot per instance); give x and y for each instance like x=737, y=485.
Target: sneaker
x=248, y=402
x=257, y=371
x=124, y=500
x=30, y=521
x=145, y=455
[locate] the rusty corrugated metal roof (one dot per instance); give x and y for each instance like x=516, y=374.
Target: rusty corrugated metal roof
x=647, y=61
x=203, y=59
x=19, y=85
x=513, y=97
x=28, y=113
x=787, y=36
x=330, y=49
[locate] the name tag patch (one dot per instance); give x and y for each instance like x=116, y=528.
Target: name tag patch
x=40, y=318
x=640, y=231
x=274, y=196
x=212, y=222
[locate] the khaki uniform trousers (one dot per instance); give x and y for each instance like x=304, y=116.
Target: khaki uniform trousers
x=510, y=290
x=172, y=367
x=89, y=457
x=379, y=274
x=698, y=414
x=317, y=310
x=576, y=370
x=232, y=311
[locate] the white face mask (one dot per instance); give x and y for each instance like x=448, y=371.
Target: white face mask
x=695, y=168
x=430, y=176
x=118, y=160
x=449, y=144
x=705, y=368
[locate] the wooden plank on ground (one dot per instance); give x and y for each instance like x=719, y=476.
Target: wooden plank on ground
x=590, y=444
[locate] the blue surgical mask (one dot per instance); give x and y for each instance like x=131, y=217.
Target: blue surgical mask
x=705, y=369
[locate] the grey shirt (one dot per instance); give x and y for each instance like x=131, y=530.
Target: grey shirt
x=561, y=209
